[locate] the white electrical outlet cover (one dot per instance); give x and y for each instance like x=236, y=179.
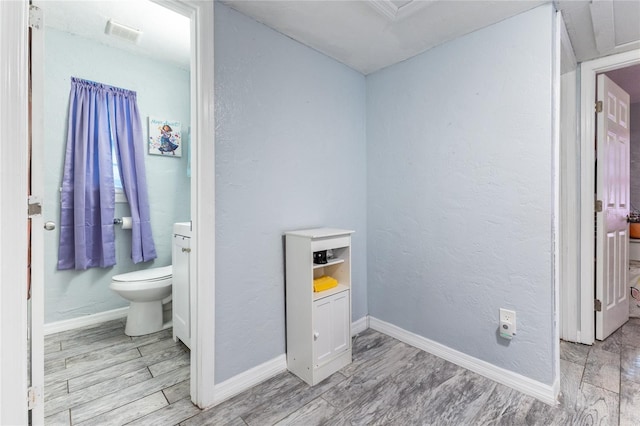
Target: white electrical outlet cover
x=507, y=315
x=507, y=323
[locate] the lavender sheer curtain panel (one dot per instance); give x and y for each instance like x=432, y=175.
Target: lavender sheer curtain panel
x=130, y=151
x=101, y=116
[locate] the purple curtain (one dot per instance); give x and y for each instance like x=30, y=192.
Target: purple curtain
x=99, y=116
x=130, y=150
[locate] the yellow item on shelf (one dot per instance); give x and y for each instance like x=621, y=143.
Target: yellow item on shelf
x=324, y=283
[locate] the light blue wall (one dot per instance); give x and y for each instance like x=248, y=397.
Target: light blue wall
x=290, y=154
x=163, y=92
x=460, y=193
x=441, y=164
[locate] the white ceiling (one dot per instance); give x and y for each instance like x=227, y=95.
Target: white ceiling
x=370, y=35
x=165, y=34
x=601, y=27
x=366, y=35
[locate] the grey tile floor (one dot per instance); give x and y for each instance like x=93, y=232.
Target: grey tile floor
x=605, y=376
x=98, y=375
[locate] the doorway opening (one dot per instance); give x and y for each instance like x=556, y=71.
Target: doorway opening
x=200, y=16
x=585, y=290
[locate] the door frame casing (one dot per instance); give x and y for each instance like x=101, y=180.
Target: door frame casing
x=202, y=268
x=588, y=72
x=569, y=176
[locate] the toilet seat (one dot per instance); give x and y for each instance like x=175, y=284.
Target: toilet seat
x=145, y=290
x=148, y=275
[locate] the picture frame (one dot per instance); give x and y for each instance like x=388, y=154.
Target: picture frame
x=165, y=137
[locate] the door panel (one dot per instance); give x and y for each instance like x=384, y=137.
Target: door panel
x=36, y=194
x=612, y=187
x=322, y=330
x=340, y=322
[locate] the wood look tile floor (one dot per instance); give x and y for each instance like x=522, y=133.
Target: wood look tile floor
x=98, y=375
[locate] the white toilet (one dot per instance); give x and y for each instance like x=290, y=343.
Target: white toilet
x=146, y=290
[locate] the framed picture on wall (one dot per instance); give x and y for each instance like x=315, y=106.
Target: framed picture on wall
x=165, y=137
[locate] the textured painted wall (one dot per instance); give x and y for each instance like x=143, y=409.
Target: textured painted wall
x=634, y=125
x=290, y=154
x=460, y=193
x=163, y=92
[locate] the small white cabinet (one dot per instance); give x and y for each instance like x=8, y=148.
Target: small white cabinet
x=181, y=283
x=318, y=323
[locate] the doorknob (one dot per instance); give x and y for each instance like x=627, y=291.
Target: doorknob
x=49, y=226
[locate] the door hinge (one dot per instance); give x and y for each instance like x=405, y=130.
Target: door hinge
x=34, y=206
x=597, y=305
x=35, y=17
x=599, y=106
x=33, y=397
x=598, y=206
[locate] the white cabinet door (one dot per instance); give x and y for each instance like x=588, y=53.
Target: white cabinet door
x=180, y=290
x=331, y=327
x=322, y=330
x=340, y=338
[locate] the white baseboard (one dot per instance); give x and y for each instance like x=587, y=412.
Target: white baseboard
x=70, y=324
x=358, y=326
x=545, y=393
x=247, y=379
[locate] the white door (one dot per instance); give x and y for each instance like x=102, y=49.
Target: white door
x=612, y=187
x=13, y=225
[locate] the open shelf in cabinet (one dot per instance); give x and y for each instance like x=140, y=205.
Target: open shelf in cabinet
x=329, y=263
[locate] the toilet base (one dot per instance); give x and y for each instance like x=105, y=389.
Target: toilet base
x=144, y=318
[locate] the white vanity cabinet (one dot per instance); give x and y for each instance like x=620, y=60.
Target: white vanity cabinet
x=181, y=283
x=318, y=323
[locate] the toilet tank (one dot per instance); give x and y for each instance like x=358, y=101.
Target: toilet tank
x=181, y=287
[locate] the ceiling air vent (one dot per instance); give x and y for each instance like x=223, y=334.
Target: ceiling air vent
x=122, y=31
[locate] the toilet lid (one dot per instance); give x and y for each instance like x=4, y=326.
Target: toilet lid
x=152, y=274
